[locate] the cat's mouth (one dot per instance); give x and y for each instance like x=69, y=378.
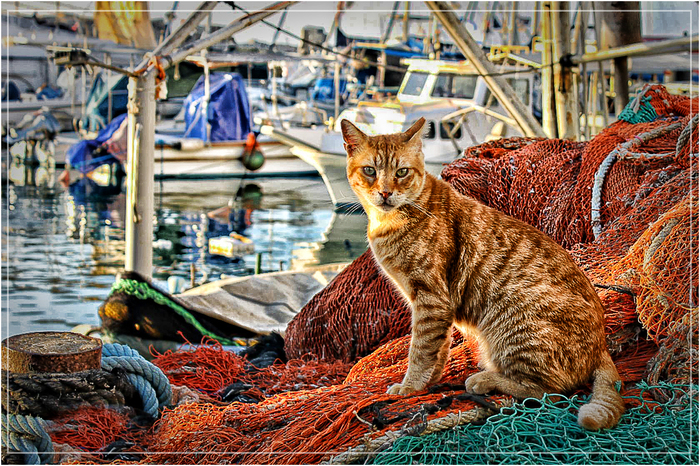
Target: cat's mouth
x=385, y=205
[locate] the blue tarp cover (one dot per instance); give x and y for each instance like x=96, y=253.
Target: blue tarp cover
x=80, y=155
x=324, y=90
x=228, y=115
x=228, y=111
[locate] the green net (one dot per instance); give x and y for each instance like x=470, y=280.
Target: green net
x=638, y=110
x=546, y=432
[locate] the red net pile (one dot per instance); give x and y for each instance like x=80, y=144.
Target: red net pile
x=325, y=402
x=358, y=311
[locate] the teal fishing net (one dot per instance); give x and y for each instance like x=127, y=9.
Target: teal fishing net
x=546, y=432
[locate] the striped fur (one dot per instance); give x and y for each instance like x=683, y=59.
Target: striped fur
x=536, y=316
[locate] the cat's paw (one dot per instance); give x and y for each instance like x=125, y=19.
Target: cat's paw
x=399, y=389
x=481, y=383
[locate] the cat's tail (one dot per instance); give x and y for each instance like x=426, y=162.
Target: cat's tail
x=606, y=405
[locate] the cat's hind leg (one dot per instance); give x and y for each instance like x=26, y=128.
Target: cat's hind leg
x=492, y=381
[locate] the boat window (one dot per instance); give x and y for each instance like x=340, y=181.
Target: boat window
x=454, y=85
x=450, y=126
x=430, y=131
x=415, y=83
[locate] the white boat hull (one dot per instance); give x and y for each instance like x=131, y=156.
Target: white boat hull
x=222, y=160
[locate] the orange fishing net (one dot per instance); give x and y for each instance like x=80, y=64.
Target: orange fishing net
x=638, y=245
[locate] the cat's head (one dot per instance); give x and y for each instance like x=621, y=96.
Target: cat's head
x=385, y=171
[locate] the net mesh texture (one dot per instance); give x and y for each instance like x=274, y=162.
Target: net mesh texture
x=638, y=244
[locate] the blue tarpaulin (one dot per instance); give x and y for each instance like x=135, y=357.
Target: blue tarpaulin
x=228, y=113
x=228, y=110
x=81, y=155
x=324, y=90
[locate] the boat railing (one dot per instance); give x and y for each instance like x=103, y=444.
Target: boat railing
x=305, y=106
x=452, y=122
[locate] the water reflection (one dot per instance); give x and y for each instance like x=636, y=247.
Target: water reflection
x=62, y=246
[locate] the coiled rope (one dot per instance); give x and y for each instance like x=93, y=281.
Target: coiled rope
x=151, y=383
x=26, y=435
x=620, y=152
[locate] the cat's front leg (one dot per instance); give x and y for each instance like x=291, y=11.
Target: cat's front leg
x=431, y=336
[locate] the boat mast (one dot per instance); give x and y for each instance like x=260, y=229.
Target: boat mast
x=498, y=85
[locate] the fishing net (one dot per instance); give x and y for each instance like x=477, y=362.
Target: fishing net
x=593, y=198
x=546, y=432
x=623, y=204
x=358, y=311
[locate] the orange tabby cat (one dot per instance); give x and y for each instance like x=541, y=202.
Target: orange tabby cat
x=536, y=316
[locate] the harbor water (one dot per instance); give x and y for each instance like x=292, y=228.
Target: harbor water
x=63, y=246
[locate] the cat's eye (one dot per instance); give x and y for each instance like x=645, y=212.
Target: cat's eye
x=369, y=171
x=401, y=172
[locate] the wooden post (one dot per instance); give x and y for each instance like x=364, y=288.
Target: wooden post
x=497, y=84
x=52, y=352
x=601, y=71
x=549, y=121
x=621, y=25
x=336, y=90
x=141, y=130
x=564, y=95
x=512, y=20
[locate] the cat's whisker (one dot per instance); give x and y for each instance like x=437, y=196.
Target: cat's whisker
x=421, y=209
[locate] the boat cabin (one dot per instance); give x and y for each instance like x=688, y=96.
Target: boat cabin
x=454, y=99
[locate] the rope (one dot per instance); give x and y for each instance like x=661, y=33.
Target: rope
x=50, y=394
x=619, y=152
x=370, y=447
x=142, y=290
x=684, y=137
x=150, y=382
x=27, y=435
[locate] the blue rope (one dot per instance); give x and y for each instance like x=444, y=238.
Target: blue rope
x=27, y=435
x=151, y=383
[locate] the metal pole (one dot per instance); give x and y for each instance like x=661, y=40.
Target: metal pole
x=584, y=71
x=336, y=85
x=565, y=99
x=179, y=35
x=390, y=26
x=640, y=49
x=512, y=19
x=601, y=71
x=549, y=121
x=234, y=26
x=498, y=85
x=139, y=206
x=406, y=12
x=108, y=60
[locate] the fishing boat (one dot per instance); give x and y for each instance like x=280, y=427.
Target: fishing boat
x=451, y=95
x=213, y=139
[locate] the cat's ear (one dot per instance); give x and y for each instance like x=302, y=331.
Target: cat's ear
x=414, y=134
x=352, y=136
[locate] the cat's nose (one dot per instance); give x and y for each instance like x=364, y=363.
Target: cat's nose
x=385, y=194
